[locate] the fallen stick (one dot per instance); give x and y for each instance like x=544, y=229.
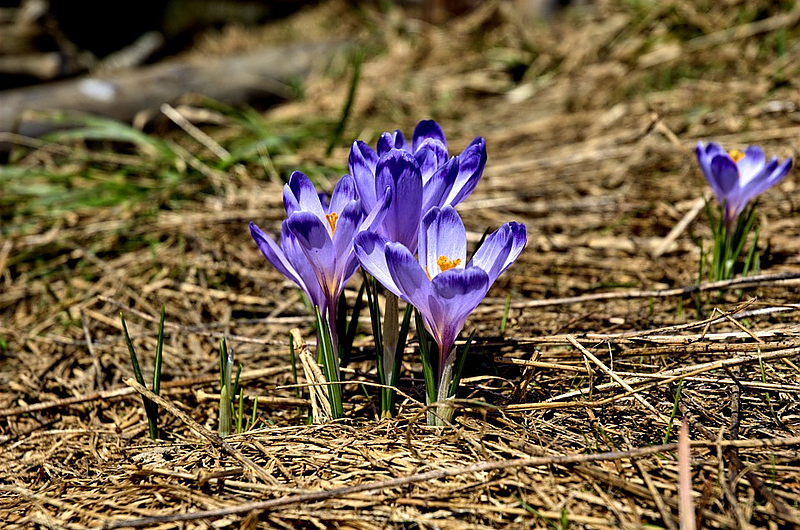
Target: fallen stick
x=121, y=95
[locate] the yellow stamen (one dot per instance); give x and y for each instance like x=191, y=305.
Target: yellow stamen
x=736, y=155
x=446, y=264
x=332, y=218
x=428, y=273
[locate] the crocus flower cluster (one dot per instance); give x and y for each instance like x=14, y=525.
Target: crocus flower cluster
x=443, y=287
x=394, y=215
x=736, y=178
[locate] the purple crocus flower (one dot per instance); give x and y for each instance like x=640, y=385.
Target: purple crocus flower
x=736, y=177
x=316, y=250
x=440, y=284
x=422, y=175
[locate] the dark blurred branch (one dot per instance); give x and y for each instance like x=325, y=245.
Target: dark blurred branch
x=121, y=95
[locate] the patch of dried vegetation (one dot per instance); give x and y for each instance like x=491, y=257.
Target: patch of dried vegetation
x=590, y=122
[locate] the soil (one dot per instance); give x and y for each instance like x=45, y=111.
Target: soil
x=590, y=352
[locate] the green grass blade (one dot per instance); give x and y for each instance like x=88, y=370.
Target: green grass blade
x=223, y=361
x=150, y=408
x=254, y=417
x=159, y=353
x=358, y=58
x=240, y=413
x=506, y=310
x=137, y=372
x=459, y=367
x=375, y=319
x=401, y=342
x=329, y=366
x=225, y=420
x=674, y=411
x=428, y=370
x=293, y=359
x=346, y=339
x=236, y=389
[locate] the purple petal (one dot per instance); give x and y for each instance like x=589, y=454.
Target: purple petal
x=346, y=228
x=500, y=249
x=375, y=217
x=371, y=254
x=725, y=174
x=289, y=261
x=343, y=194
x=297, y=258
x=439, y=185
x=412, y=283
x=299, y=194
x=457, y=292
x=389, y=141
x=714, y=149
x=361, y=164
x=427, y=129
x=274, y=254
x=315, y=240
x=751, y=164
x=471, y=161
x=430, y=155
x=399, y=171
x=769, y=176
x=705, y=166
x=442, y=234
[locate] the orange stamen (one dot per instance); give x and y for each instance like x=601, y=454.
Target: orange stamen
x=736, y=155
x=332, y=218
x=446, y=264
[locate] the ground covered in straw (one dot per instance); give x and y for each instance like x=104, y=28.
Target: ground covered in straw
x=570, y=407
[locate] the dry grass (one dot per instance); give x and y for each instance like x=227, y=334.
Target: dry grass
x=567, y=417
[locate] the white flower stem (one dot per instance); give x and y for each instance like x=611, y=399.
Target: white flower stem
x=391, y=335
x=442, y=414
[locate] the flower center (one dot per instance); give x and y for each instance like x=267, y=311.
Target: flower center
x=736, y=155
x=444, y=264
x=332, y=218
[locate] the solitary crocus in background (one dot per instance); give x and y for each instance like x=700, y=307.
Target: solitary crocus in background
x=440, y=285
x=737, y=177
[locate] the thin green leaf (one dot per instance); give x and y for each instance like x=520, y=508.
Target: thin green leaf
x=459, y=366
x=255, y=414
x=358, y=59
x=236, y=389
x=240, y=413
x=159, y=353
x=347, y=338
x=428, y=370
x=329, y=365
x=504, y=318
x=150, y=408
x=297, y=392
x=674, y=411
x=225, y=420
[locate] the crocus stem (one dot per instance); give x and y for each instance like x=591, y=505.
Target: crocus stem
x=334, y=336
x=391, y=334
x=443, y=414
